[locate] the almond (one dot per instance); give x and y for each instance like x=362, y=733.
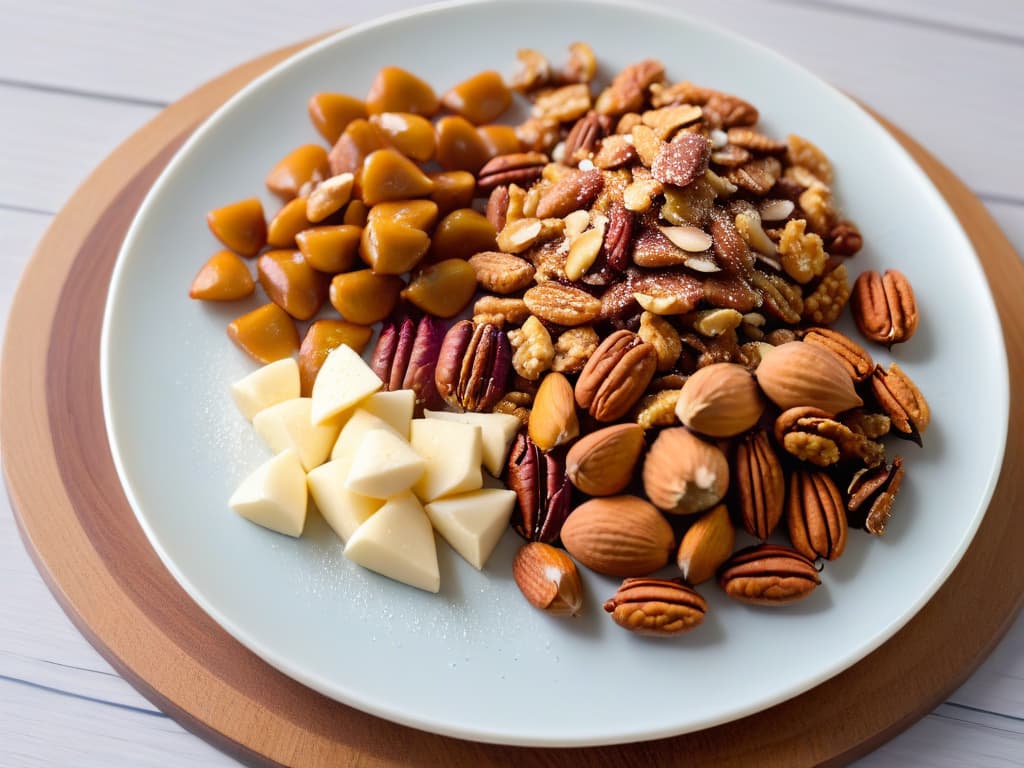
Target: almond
x=619, y=536
x=800, y=374
x=548, y=579
x=684, y=474
x=553, y=419
x=720, y=400
x=602, y=463
x=706, y=545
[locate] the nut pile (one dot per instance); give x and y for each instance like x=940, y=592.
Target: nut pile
x=647, y=283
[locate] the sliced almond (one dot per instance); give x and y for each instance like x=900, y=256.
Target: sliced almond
x=690, y=239
x=583, y=253
x=662, y=305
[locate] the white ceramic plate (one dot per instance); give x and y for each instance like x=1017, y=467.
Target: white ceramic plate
x=476, y=661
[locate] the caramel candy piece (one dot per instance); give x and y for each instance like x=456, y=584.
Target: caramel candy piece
x=355, y=213
x=225, y=277
x=364, y=297
x=419, y=214
x=410, y=134
x=240, y=226
x=287, y=223
x=266, y=334
x=320, y=339
x=442, y=289
x=391, y=247
x=459, y=146
x=330, y=249
x=480, y=99
x=292, y=283
x=499, y=139
x=397, y=90
x=461, y=234
x=331, y=113
x=358, y=140
x=302, y=165
x=389, y=175
x=452, y=190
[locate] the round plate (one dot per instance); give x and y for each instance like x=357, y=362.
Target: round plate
x=475, y=661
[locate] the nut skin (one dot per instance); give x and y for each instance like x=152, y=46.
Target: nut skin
x=760, y=486
x=720, y=400
x=815, y=515
x=619, y=536
x=602, y=462
x=658, y=607
x=768, y=574
x=553, y=419
x=683, y=474
x=542, y=491
x=405, y=357
x=871, y=494
x=706, y=545
x=548, y=579
x=901, y=400
x=884, y=306
x=800, y=374
x=473, y=366
x=616, y=376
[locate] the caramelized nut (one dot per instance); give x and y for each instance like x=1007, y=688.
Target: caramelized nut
x=480, y=99
x=287, y=223
x=266, y=334
x=225, y=277
x=364, y=297
x=291, y=283
x=356, y=142
x=331, y=113
x=389, y=175
x=442, y=289
x=329, y=196
x=461, y=234
x=240, y=226
x=419, y=214
x=397, y=90
x=391, y=247
x=412, y=135
x=459, y=145
x=302, y=165
x=329, y=249
x=452, y=190
x=499, y=139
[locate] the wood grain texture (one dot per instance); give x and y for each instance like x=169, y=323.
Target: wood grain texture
x=96, y=560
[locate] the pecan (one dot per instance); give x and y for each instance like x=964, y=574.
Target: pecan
x=731, y=251
x=757, y=142
x=497, y=207
x=583, y=137
x=473, y=366
x=811, y=435
x=614, y=152
x=723, y=348
x=656, y=606
x=683, y=161
x=729, y=111
x=575, y=190
x=501, y=272
x=852, y=355
x=781, y=299
x=666, y=292
x=562, y=104
x=657, y=409
x=618, y=237
x=615, y=376
x=730, y=156
x=825, y=303
x=499, y=311
x=802, y=254
x=759, y=484
x=844, y=239
x=801, y=152
x=659, y=333
x=731, y=292
x=534, y=351
x=901, y=401
x=682, y=92
x=667, y=120
x=757, y=176
x=406, y=355
x=542, y=490
x=768, y=574
x=871, y=495
x=884, y=307
x=626, y=92
x=520, y=168
x=562, y=304
x=815, y=515
x=573, y=348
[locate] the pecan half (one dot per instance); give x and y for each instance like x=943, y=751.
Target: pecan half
x=760, y=486
x=616, y=376
x=618, y=236
x=815, y=515
x=757, y=142
x=501, y=272
x=844, y=239
x=497, y=207
x=781, y=299
x=574, y=191
x=757, y=176
x=729, y=111
x=902, y=401
x=473, y=366
x=729, y=291
x=731, y=250
x=884, y=307
x=768, y=574
x=520, y=168
x=656, y=606
x=811, y=435
x=852, y=355
x=583, y=137
x=542, y=490
x=406, y=357
x=871, y=495
x=562, y=304
x=499, y=311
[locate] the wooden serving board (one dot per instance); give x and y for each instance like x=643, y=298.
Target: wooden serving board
x=85, y=541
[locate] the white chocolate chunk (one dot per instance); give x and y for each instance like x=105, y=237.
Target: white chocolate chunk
x=344, y=380
x=289, y=425
x=473, y=522
x=266, y=386
x=351, y=436
x=384, y=465
x=498, y=430
x=343, y=510
x=395, y=408
x=453, y=454
x=274, y=496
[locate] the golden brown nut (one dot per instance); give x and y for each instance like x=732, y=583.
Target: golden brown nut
x=461, y=234
x=419, y=214
x=266, y=334
x=287, y=223
x=356, y=142
x=442, y=289
x=391, y=247
x=389, y=175
x=364, y=297
x=291, y=283
x=299, y=167
x=397, y=90
x=499, y=139
x=459, y=145
x=331, y=113
x=240, y=226
x=224, y=277
x=452, y=190
x=480, y=99
x=412, y=135
x=330, y=249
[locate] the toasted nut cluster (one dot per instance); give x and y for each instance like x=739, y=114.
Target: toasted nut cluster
x=651, y=280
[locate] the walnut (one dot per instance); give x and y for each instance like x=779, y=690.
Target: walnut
x=871, y=425
x=801, y=178
x=723, y=348
x=657, y=409
x=534, y=351
x=538, y=134
x=803, y=153
x=816, y=449
x=816, y=202
x=573, y=348
x=516, y=404
x=802, y=254
x=659, y=333
x=824, y=304
x=564, y=104
x=499, y=311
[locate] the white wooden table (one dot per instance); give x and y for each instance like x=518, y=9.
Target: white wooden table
x=78, y=76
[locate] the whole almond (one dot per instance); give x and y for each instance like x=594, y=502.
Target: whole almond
x=602, y=462
x=619, y=536
x=800, y=374
x=548, y=579
x=720, y=400
x=553, y=419
x=706, y=545
x=683, y=474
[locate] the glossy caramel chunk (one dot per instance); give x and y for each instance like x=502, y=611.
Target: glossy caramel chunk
x=330, y=249
x=225, y=277
x=421, y=214
x=459, y=145
x=266, y=334
x=240, y=226
x=443, y=289
x=410, y=134
x=363, y=297
x=320, y=339
x=331, y=113
x=358, y=140
x=287, y=223
x=355, y=213
x=452, y=189
x=480, y=99
x=303, y=165
x=500, y=139
x=397, y=90
x=292, y=283
x=389, y=175
x=391, y=247
x=461, y=234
